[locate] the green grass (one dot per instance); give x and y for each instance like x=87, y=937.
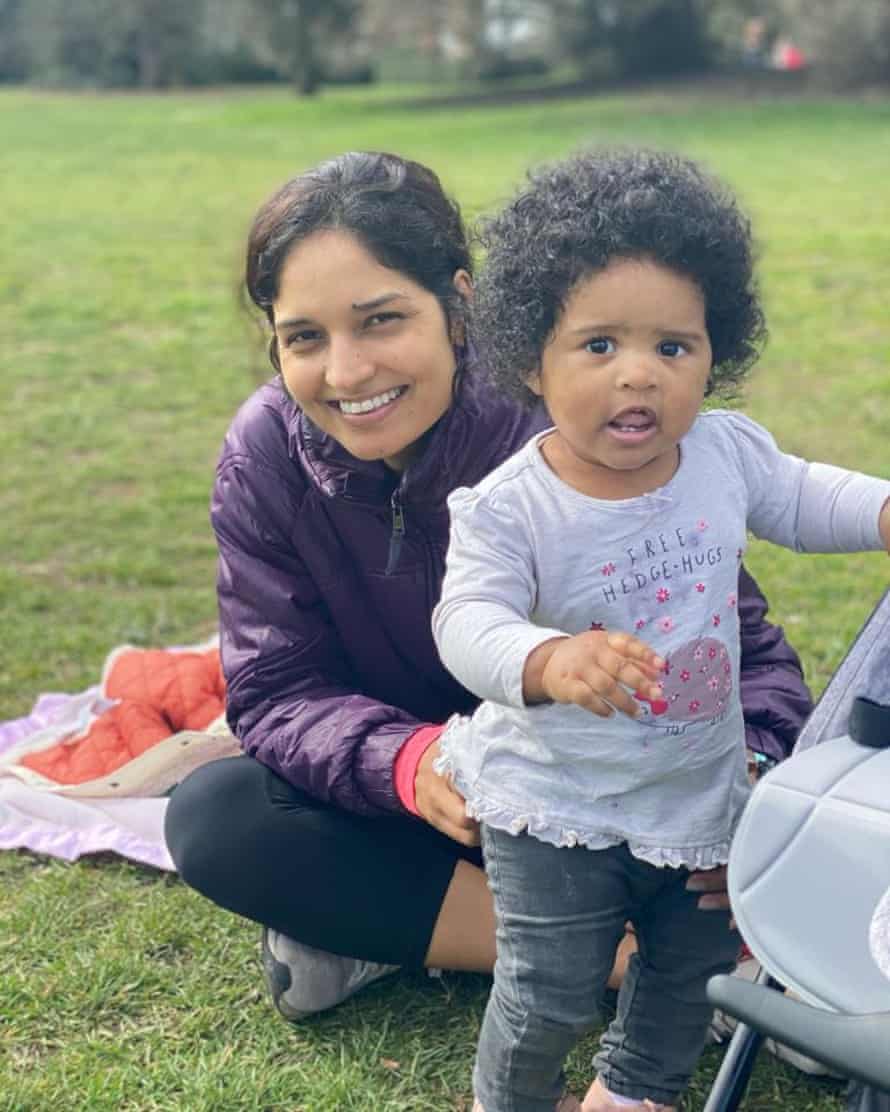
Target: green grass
x=122, y=357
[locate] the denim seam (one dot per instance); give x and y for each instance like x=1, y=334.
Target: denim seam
x=514, y=989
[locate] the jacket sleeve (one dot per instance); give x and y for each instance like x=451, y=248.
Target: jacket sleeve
x=775, y=699
x=290, y=696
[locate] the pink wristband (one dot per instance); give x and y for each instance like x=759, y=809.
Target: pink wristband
x=404, y=769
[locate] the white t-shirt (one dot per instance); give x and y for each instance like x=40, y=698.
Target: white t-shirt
x=532, y=558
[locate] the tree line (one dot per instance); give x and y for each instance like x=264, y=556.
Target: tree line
x=154, y=44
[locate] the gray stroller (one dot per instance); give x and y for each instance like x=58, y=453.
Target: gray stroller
x=809, y=881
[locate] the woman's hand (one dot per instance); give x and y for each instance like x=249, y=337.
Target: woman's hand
x=594, y=670
x=884, y=524
x=439, y=804
x=712, y=885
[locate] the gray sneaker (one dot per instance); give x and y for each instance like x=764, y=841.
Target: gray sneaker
x=303, y=980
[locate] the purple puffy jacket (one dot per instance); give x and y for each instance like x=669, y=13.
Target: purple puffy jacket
x=329, y=568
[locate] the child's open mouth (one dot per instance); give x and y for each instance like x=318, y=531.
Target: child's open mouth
x=634, y=424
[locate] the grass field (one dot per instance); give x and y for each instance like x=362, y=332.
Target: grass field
x=124, y=354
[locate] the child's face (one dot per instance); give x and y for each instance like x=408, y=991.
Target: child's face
x=624, y=376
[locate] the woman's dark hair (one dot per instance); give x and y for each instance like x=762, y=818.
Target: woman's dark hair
x=394, y=207
x=574, y=218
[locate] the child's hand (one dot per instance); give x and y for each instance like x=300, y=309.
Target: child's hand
x=884, y=524
x=594, y=670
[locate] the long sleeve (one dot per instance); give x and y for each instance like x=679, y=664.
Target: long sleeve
x=808, y=507
x=290, y=697
x=481, y=625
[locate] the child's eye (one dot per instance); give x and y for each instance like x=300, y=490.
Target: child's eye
x=671, y=348
x=600, y=345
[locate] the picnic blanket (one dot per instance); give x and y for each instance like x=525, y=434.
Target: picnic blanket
x=89, y=772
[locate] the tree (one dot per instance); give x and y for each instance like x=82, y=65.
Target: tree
x=162, y=37
x=428, y=35
x=300, y=32
x=13, y=58
x=635, y=38
x=109, y=42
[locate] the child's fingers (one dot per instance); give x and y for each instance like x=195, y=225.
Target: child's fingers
x=603, y=673
x=606, y=691
x=626, y=645
x=643, y=676
x=583, y=695
x=575, y=689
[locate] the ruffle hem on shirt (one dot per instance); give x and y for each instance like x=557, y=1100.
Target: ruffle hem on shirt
x=500, y=816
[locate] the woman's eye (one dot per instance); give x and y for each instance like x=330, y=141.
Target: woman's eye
x=382, y=318
x=671, y=348
x=303, y=337
x=600, y=345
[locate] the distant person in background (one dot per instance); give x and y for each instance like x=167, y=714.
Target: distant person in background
x=334, y=831
x=754, y=55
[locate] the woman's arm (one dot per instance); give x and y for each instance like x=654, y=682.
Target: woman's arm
x=775, y=699
x=290, y=697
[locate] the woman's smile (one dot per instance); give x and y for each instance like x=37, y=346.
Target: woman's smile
x=374, y=407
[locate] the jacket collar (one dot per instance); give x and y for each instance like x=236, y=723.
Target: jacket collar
x=480, y=429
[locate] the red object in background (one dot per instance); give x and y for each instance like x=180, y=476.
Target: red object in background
x=790, y=57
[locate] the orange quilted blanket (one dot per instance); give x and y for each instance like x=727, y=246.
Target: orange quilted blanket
x=159, y=693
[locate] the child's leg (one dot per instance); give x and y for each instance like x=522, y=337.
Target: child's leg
x=560, y=915
x=652, y=1046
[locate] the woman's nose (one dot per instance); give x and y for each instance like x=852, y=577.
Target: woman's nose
x=347, y=365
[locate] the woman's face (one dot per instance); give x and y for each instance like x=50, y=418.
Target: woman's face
x=365, y=351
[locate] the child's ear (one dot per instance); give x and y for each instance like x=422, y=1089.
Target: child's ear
x=533, y=381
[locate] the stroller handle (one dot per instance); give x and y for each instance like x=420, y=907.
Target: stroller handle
x=855, y=1045
x=870, y=723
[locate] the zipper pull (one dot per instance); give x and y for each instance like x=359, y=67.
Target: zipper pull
x=398, y=531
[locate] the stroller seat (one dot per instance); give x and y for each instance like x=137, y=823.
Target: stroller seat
x=809, y=884
x=810, y=873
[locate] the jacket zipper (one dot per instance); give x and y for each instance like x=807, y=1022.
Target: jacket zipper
x=398, y=532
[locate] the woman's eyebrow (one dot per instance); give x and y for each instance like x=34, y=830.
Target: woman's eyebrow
x=375, y=303
x=357, y=306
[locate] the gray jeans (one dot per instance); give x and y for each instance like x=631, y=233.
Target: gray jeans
x=560, y=916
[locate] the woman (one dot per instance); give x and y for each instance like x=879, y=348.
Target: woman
x=329, y=510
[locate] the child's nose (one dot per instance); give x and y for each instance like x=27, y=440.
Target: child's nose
x=636, y=371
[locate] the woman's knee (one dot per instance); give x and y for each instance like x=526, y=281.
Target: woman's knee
x=203, y=823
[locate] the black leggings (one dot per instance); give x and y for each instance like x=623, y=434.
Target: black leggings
x=371, y=888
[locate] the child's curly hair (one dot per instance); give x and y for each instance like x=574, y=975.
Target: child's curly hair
x=575, y=217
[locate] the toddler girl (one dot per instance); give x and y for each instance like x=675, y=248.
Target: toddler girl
x=596, y=571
